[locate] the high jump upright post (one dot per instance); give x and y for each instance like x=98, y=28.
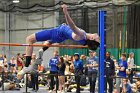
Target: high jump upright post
x=101, y=31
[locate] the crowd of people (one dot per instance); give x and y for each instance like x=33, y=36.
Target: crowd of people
x=67, y=72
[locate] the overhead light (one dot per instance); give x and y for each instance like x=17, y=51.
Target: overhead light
x=15, y=1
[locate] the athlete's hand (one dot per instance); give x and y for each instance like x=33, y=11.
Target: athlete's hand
x=64, y=6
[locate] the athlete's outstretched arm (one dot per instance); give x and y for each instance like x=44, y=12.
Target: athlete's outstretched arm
x=70, y=22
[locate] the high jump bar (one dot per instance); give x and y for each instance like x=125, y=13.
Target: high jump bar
x=42, y=45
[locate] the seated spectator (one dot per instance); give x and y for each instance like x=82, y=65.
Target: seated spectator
x=115, y=90
x=9, y=84
x=134, y=88
x=12, y=64
x=41, y=68
x=6, y=68
x=138, y=84
x=126, y=88
x=5, y=61
x=1, y=62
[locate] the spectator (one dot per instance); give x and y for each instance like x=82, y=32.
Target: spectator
x=83, y=58
x=12, y=64
x=116, y=65
x=122, y=66
x=5, y=60
x=1, y=62
x=71, y=68
x=41, y=68
x=19, y=62
x=126, y=87
x=131, y=66
x=115, y=90
x=5, y=63
x=61, y=71
x=78, y=70
x=92, y=64
x=34, y=73
x=109, y=72
x=54, y=71
x=138, y=84
x=23, y=59
x=67, y=70
x=134, y=88
x=10, y=86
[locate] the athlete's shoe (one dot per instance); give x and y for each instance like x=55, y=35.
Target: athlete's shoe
x=40, y=54
x=24, y=71
x=39, y=58
x=21, y=73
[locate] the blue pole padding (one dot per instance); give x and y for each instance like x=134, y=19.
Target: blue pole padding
x=101, y=28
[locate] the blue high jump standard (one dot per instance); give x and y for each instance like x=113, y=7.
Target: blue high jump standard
x=101, y=31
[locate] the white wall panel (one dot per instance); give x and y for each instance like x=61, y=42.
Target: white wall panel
x=34, y=21
x=1, y=40
x=1, y=20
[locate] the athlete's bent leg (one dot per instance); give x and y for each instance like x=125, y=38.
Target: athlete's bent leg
x=29, y=50
x=43, y=49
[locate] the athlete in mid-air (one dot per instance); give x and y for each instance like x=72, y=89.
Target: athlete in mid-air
x=57, y=35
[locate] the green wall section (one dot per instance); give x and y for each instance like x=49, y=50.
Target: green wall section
x=114, y=51
x=68, y=51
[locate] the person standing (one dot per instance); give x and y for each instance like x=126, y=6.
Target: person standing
x=54, y=70
x=61, y=71
x=109, y=72
x=92, y=64
x=122, y=66
x=34, y=72
x=131, y=66
x=78, y=70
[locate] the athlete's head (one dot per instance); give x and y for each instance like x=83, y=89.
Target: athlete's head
x=94, y=37
x=92, y=44
x=93, y=41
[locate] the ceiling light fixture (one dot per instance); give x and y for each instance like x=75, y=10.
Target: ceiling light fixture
x=15, y=1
